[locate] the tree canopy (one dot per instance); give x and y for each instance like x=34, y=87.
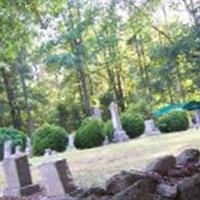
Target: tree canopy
x=59, y=59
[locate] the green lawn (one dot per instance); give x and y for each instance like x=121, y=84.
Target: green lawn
x=94, y=166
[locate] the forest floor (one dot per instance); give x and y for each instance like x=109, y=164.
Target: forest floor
x=94, y=166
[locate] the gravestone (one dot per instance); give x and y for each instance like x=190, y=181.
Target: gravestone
x=18, y=177
x=47, y=152
x=28, y=149
x=56, y=178
x=150, y=127
x=119, y=134
x=71, y=145
x=7, y=149
x=106, y=141
x=18, y=150
x=97, y=113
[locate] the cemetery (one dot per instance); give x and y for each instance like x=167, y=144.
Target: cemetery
x=99, y=100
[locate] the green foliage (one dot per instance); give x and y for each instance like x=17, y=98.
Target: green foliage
x=109, y=130
x=173, y=121
x=144, y=108
x=90, y=134
x=49, y=136
x=133, y=124
x=17, y=137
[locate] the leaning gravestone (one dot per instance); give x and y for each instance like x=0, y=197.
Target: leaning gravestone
x=119, y=134
x=7, y=149
x=56, y=178
x=18, y=177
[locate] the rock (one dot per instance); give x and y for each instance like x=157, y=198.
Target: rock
x=158, y=197
x=161, y=165
x=125, y=179
x=189, y=188
x=188, y=156
x=138, y=191
x=167, y=191
x=98, y=192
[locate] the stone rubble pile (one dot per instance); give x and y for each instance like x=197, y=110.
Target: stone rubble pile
x=166, y=178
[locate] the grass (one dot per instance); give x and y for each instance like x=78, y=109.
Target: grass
x=94, y=166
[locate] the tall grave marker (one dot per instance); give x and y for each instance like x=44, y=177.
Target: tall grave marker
x=18, y=177
x=119, y=134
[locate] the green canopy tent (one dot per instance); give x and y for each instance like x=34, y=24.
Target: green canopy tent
x=167, y=109
x=192, y=105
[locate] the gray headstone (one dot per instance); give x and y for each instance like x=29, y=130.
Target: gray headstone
x=18, y=150
x=47, y=152
x=150, y=127
x=106, y=141
x=28, y=149
x=71, y=141
x=18, y=177
x=56, y=178
x=97, y=113
x=7, y=149
x=119, y=134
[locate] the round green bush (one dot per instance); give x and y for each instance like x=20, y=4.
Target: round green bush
x=173, y=121
x=133, y=124
x=109, y=130
x=90, y=134
x=49, y=136
x=17, y=137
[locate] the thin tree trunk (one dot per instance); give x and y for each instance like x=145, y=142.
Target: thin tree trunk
x=28, y=106
x=14, y=108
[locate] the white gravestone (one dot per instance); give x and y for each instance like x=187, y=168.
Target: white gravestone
x=150, y=127
x=28, y=149
x=47, y=152
x=7, y=149
x=106, y=141
x=97, y=113
x=18, y=150
x=71, y=141
x=119, y=134
x=198, y=118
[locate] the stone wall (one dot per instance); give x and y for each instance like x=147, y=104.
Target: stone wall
x=166, y=178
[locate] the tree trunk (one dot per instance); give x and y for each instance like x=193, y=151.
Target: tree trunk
x=85, y=92
x=28, y=106
x=14, y=108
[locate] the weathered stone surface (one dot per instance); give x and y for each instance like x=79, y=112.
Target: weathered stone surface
x=125, y=179
x=188, y=156
x=161, y=165
x=189, y=188
x=167, y=191
x=98, y=192
x=56, y=178
x=18, y=177
x=138, y=191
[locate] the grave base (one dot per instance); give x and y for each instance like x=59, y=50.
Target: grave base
x=120, y=136
x=24, y=191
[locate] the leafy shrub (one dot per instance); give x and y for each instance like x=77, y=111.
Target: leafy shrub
x=17, y=137
x=173, y=121
x=133, y=124
x=90, y=134
x=49, y=136
x=142, y=107
x=109, y=130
